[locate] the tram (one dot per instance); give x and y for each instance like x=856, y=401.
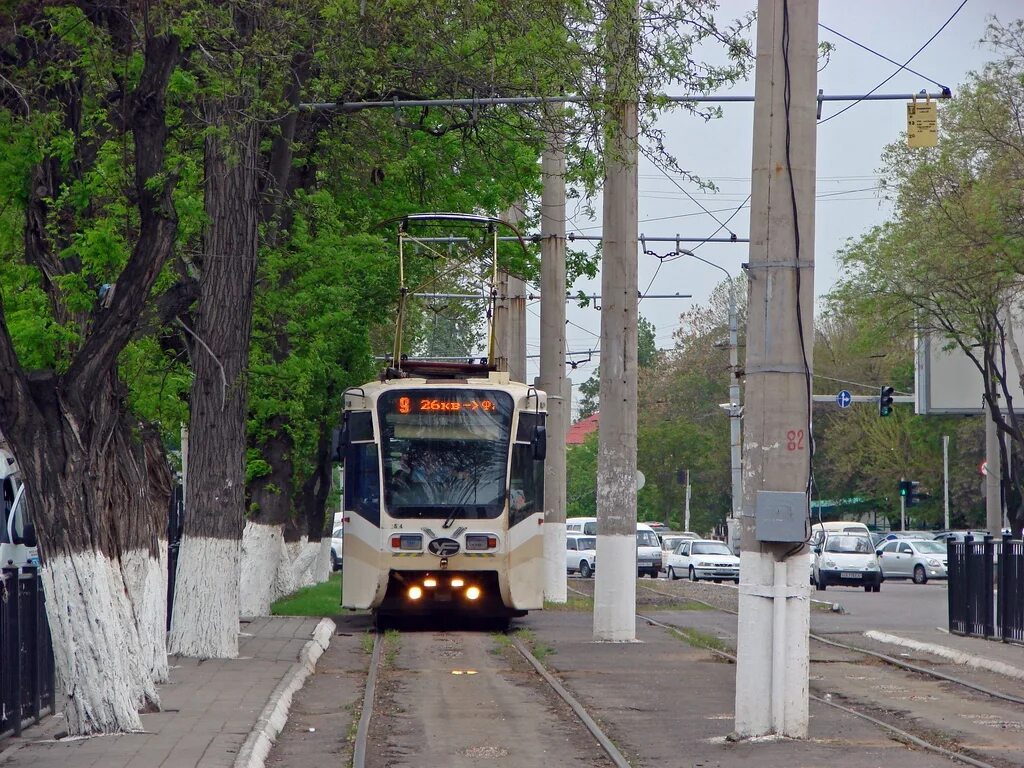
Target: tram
x=443, y=489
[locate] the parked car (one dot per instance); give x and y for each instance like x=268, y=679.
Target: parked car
x=890, y=535
x=648, y=551
x=917, y=559
x=670, y=540
x=580, y=554
x=960, y=535
x=337, y=542
x=703, y=559
x=846, y=559
x=648, y=547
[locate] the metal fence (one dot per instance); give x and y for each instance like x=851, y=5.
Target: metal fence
x=26, y=656
x=986, y=588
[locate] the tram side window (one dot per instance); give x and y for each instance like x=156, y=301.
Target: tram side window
x=526, y=489
x=362, y=474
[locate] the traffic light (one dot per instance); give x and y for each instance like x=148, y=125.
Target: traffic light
x=885, y=400
x=910, y=493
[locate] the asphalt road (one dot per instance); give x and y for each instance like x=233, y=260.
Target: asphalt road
x=899, y=605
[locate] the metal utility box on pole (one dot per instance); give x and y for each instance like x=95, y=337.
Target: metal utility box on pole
x=552, y=377
x=774, y=619
x=615, y=587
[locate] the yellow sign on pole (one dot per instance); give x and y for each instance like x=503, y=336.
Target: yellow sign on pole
x=922, y=124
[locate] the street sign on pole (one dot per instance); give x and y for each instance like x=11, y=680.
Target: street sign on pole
x=844, y=399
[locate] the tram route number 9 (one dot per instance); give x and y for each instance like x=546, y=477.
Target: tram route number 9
x=438, y=405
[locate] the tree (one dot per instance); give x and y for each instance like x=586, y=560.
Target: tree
x=86, y=87
x=680, y=425
x=950, y=260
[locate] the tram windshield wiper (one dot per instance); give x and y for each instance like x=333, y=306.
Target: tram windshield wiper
x=452, y=515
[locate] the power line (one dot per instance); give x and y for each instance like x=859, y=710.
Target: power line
x=880, y=55
x=901, y=66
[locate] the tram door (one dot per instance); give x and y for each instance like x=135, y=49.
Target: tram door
x=361, y=562
x=526, y=513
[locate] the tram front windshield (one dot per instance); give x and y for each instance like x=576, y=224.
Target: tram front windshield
x=445, y=452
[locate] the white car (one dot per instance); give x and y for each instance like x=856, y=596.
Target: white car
x=847, y=559
x=703, y=559
x=580, y=554
x=337, y=541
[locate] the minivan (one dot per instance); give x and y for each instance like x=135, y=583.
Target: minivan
x=17, y=533
x=648, y=547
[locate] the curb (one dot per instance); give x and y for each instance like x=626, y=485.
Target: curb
x=272, y=719
x=957, y=657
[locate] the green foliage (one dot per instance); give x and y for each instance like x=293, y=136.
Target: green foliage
x=950, y=262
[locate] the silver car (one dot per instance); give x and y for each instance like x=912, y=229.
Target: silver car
x=916, y=559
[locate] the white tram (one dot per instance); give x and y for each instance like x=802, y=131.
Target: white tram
x=444, y=494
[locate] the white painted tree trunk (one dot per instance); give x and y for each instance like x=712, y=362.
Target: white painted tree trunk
x=212, y=632
x=322, y=565
x=303, y=555
x=263, y=551
x=99, y=658
x=145, y=578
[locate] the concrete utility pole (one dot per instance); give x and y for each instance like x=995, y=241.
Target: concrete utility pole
x=993, y=467
x=945, y=481
x=510, y=314
x=615, y=588
x=774, y=620
x=903, y=508
x=552, y=377
x=735, y=424
x=686, y=509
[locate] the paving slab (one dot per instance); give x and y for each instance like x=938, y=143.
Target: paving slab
x=209, y=710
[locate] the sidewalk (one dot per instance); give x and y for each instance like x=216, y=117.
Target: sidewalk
x=210, y=709
x=666, y=703
x=663, y=702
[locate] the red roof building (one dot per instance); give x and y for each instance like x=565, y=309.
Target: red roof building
x=579, y=431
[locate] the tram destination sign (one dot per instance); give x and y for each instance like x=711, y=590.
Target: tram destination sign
x=453, y=403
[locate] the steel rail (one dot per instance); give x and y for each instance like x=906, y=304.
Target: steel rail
x=916, y=740
x=595, y=730
x=363, y=730
x=880, y=656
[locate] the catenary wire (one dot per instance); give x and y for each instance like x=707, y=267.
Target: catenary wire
x=879, y=55
x=901, y=67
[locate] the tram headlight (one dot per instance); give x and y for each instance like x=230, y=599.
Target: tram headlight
x=472, y=593
x=476, y=542
x=430, y=583
x=415, y=593
x=458, y=583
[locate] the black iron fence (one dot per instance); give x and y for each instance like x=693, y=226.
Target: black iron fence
x=986, y=588
x=26, y=655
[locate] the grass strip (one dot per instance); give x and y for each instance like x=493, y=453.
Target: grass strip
x=318, y=600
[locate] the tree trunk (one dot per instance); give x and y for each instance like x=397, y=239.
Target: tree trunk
x=100, y=522
x=94, y=489
x=205, y=617
x=263, y=545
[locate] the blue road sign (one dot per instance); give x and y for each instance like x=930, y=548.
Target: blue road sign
x=843, y=399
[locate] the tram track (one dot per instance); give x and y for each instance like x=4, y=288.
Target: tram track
x=452, y=687
x=921, y=740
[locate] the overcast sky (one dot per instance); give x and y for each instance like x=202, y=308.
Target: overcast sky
x=849, y=201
